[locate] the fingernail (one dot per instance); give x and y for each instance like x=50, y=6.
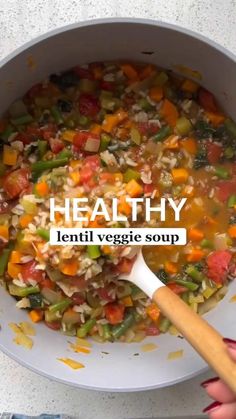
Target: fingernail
x=207, y=382
x=230, y=343
x=211, y=407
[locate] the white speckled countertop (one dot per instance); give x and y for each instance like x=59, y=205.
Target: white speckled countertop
x=21, y=20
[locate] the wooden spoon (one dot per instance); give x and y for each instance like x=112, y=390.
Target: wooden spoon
x=203, y=337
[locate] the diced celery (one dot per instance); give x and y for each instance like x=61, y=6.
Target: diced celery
x=135, y=135
x=131, y=174
x=160, y=79
x=183, y=125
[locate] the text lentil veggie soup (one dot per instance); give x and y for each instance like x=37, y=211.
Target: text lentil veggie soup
x=115, y=130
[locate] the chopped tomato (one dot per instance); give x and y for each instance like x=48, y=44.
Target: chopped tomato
x=78, y=298
x=83, y=73
x=47, y=283
x=103, y=293
x=30, y=134
x=125, y=265
x=214, y=152
x=49, y=131
x=147, y=128
x=114, y=313
x=56, y=325
x=207, y=100
x=152, y=331
x=93, y=162
x=56, y=145
x=106, y=177
x=29, y=271
x=176, y=288
x=15, y=182
x=78, y=281
x=148, y=188
x=107, y=85
x=88, y=105
x=86, y=174
x=218, y=265
x=80, y=138
x=225, y=189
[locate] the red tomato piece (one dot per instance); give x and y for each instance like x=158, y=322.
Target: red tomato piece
x=148, y=188
x=107, y=85
x=125, y=265
x=88, y=105
x=114, y=313
x=49, y=131
x=214, y=152
x=103, y=293
x=147, y=128
x=176, y=288
x=80, y=138
x=47, y=283
x=29, y=271
x=152, y=331
x=207, y=100
x=218, y=265
x=83, y=73
x=56, y=145
x=15, y=182
x=56, y=325
x=225, y=189
x=78, y=298
x=93, y=162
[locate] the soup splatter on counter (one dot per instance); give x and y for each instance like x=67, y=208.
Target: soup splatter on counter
x=115, y=130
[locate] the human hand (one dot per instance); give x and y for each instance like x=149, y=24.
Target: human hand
x=224, y=406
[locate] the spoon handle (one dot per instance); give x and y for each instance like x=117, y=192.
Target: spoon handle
x=203, y=337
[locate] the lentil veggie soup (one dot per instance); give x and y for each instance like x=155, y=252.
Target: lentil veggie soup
x=115, y=130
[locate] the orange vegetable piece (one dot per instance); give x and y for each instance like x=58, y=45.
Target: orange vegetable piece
x=129, y=71
x=170, y=267
x=15, y=256
x=171, y=143
x=10, y=155
x=156, y=93
x=189, y=86
x=169, y=112
x=146, y=72
x=36, y=315
x=69, y=267
x=68, y=135
x=106, y=249
x=232, y=231
x=127, y=301
x=97, y=223
x=153, y=312
x=195, y=256
x=4, y=232
x=190, y=145
x=97, y=72
x=111, y=121
x=75, y=176
x=42, y=189
x=180, y=175
x=123, y=206
x=188, y=191
x=216, y=118
x=13, y=270
x=96, y=129
x=195, y=234
x=134, y=189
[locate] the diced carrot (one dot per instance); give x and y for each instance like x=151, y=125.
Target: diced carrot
x=216, y=118
x=118, y=176
x=153, y=312
x=68, y=135
x=188, y=191
x=58, y=216
x=16, y=256
x=129, y=71
x=156, y=93
x=96, y=129
x=171, y=143
x=170, y=267
x=75, y=176
x=195, y=234
x=232, y=231
x=106, y=249
x=190, y=145
x=10, y=155
x=13, y=270
x=134, y=189
x=180, y=175
x=195, y=256
x=146, y=72
x=169, y=112
x=97, y=72
x=98, y=222
x=42, y=189
x=210, y=220
x=36, y=315
x=47, y=283
x=127, y=301
x=74, y=163
x=122, y=133
x=123, y=206
x=111, y=121
x=69, y=267
x=4, y=232
x=189, y=86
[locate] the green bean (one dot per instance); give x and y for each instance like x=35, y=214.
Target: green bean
x=131, y=174
x=189, y=285
x=65, y=154
x=93, y=251
x=60, y=306
x=105, y=140
x=41, y=166
x=85, y=328
x=42, y=148
x=23, y=291
x=195, y=274
x=222, y=172
x=106, y=331
x=43, y=233
x=83, y=120
x=22, y=120
x=160, y=79
x=185, y=297
x=57, y=115
x=164, y=325
x=207, y=244
x=6, y=133
x=163, y=133
x=144, y=104
x=120, y=329
x=231, y=201
x=4, y=260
